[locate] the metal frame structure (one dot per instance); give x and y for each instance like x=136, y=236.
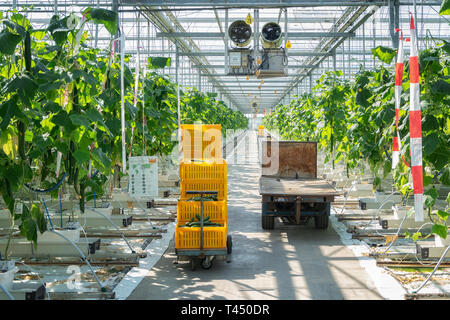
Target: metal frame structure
x=325, y=35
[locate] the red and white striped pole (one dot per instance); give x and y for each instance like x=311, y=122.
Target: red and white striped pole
x=415, y=126
x=398, y=91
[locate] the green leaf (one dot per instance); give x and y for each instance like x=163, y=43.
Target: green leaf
x=432, y=192
x=114, y=126
x=52, y=107
x=105, y=17
x=58, y=29
x=445, y=8
x=430, y=143
x=24, y=86
x=430, y=197
x=385, y=54
x=445, y=178
x=101, y=158
x=429, y=123
x=440, y=230
x=77, y=74
x=94, y=116
x=158, y=62
x=442, y=214
x=39, y=217
x=28, y=229
x=361, y=97
x=440, y=87
x=446, y=46
x=9, y=41
x=25, y=212
x=79, y=120
x=7, y=111
x=427, y=180
x=416, y=236
x=61, y=118
x=110, y=97
x=81, y=156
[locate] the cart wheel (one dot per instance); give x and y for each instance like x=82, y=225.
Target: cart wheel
x=229, y=244
x=193, y=264
x=321, y=222
x=267, y=222
x=207, y=263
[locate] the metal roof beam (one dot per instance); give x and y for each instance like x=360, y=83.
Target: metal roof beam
x=222, y=53
x=250, y=4
x=217, y=35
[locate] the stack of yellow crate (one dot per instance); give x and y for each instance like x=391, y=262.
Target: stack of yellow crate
x=208, y=173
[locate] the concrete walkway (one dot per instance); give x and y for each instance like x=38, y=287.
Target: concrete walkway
x=289, y=262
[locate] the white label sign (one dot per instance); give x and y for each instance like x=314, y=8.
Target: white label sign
x=143, y=176
x=235, y=59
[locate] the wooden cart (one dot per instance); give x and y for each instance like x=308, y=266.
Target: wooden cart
x=289, y=186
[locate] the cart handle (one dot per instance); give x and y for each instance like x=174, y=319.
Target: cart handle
x=201, y=192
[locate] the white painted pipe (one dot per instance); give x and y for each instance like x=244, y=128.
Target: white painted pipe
x=83, y=257
x=122, y=94
x=434, y=270
x=6, y=292
x=115, y=226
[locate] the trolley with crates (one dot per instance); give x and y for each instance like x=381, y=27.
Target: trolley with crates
x=203, y=197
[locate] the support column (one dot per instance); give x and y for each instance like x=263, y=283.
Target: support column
x=343, y=58
x=286, y=31
x=334, y=59
x=392, y=21
x=256, y=30
x=373, y=37
x=177, y=69
x=227, y=59
x=96, y=25
x=364, y=46
x=115, y=8
x=310, y=82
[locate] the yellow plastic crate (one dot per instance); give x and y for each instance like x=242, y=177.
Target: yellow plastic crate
x=203, y=171
x=261, y=130
x=203, y=185
x=189, y=238
x=216, y=210
x=201, y=141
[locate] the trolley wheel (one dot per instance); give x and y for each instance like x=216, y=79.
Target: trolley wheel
x=267, y=222
x=321, y=222
x=193, y=263
x=207, y=263
x=229, y=244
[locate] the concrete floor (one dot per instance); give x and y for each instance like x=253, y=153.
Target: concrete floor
x=289, y=262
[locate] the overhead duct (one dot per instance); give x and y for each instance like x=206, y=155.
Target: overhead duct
x=240, y=33
x=271, y=35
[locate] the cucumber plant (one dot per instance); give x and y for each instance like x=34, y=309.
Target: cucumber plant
x=356, y=119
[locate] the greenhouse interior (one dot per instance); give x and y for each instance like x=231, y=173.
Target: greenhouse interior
x=130, y=129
